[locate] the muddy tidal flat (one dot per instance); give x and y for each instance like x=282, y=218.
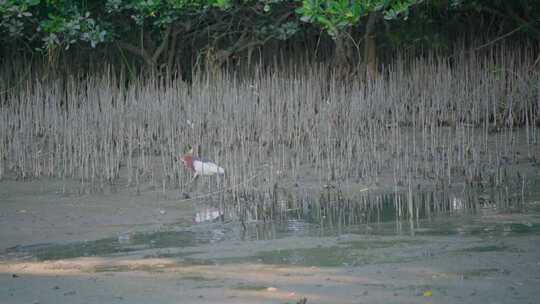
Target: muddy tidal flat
x=120, y=247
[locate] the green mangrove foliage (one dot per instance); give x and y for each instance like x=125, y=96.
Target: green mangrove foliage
x=181, y=34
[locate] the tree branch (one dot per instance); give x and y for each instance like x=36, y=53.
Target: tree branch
x=172, y=48
x=163, y=46
x=137, y=51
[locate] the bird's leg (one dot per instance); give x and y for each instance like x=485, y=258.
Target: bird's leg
x=190, y=185
x=193, y=179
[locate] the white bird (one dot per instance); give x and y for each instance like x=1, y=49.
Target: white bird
x=200, y=166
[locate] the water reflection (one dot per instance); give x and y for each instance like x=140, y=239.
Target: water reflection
x=468, y=212
x=333, y=209
x=208, y=214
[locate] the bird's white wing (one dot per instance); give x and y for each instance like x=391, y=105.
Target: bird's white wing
x=207, y=168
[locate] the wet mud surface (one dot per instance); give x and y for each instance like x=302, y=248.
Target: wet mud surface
x=119, y=248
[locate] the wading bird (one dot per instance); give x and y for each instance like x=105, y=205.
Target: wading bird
x=200, y=166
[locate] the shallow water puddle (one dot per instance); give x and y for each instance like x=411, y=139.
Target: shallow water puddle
x=389, y=241
x=486, y=248
x=485, y=272
x=123, y=244
x=348, y=251
x=316, y=257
